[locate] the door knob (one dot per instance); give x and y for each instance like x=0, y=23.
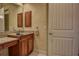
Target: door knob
x=50, y=33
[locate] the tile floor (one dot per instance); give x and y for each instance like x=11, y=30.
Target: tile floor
x=37, y=54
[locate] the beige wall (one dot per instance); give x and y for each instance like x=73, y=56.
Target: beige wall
x=39, y=19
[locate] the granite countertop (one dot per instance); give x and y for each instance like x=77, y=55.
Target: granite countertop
x=25, y=33
x=7, y=39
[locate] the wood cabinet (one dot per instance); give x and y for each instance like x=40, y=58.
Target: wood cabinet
x=13, y=50
x=7, y=45
x=30, y=44
x=20, y=19
x=1, y=47
x=28, y=17
x=25, y=46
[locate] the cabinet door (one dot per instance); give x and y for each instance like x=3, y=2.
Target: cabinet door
x=28, y=19
x=31, y=43
x=1, y=47
x=24, y=47
x=20, y=20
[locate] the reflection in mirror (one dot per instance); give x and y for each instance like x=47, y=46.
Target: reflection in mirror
x=8, y=16
x=6, y=19
x=1, y=19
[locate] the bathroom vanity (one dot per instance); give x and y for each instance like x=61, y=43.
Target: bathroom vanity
x=6, y=42
x=21, y=45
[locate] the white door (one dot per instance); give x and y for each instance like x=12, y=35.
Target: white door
x=61, y=30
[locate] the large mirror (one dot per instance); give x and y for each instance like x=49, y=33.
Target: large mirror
x=8, y=16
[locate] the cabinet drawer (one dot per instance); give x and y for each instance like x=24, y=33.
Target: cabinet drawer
x=10, y=44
